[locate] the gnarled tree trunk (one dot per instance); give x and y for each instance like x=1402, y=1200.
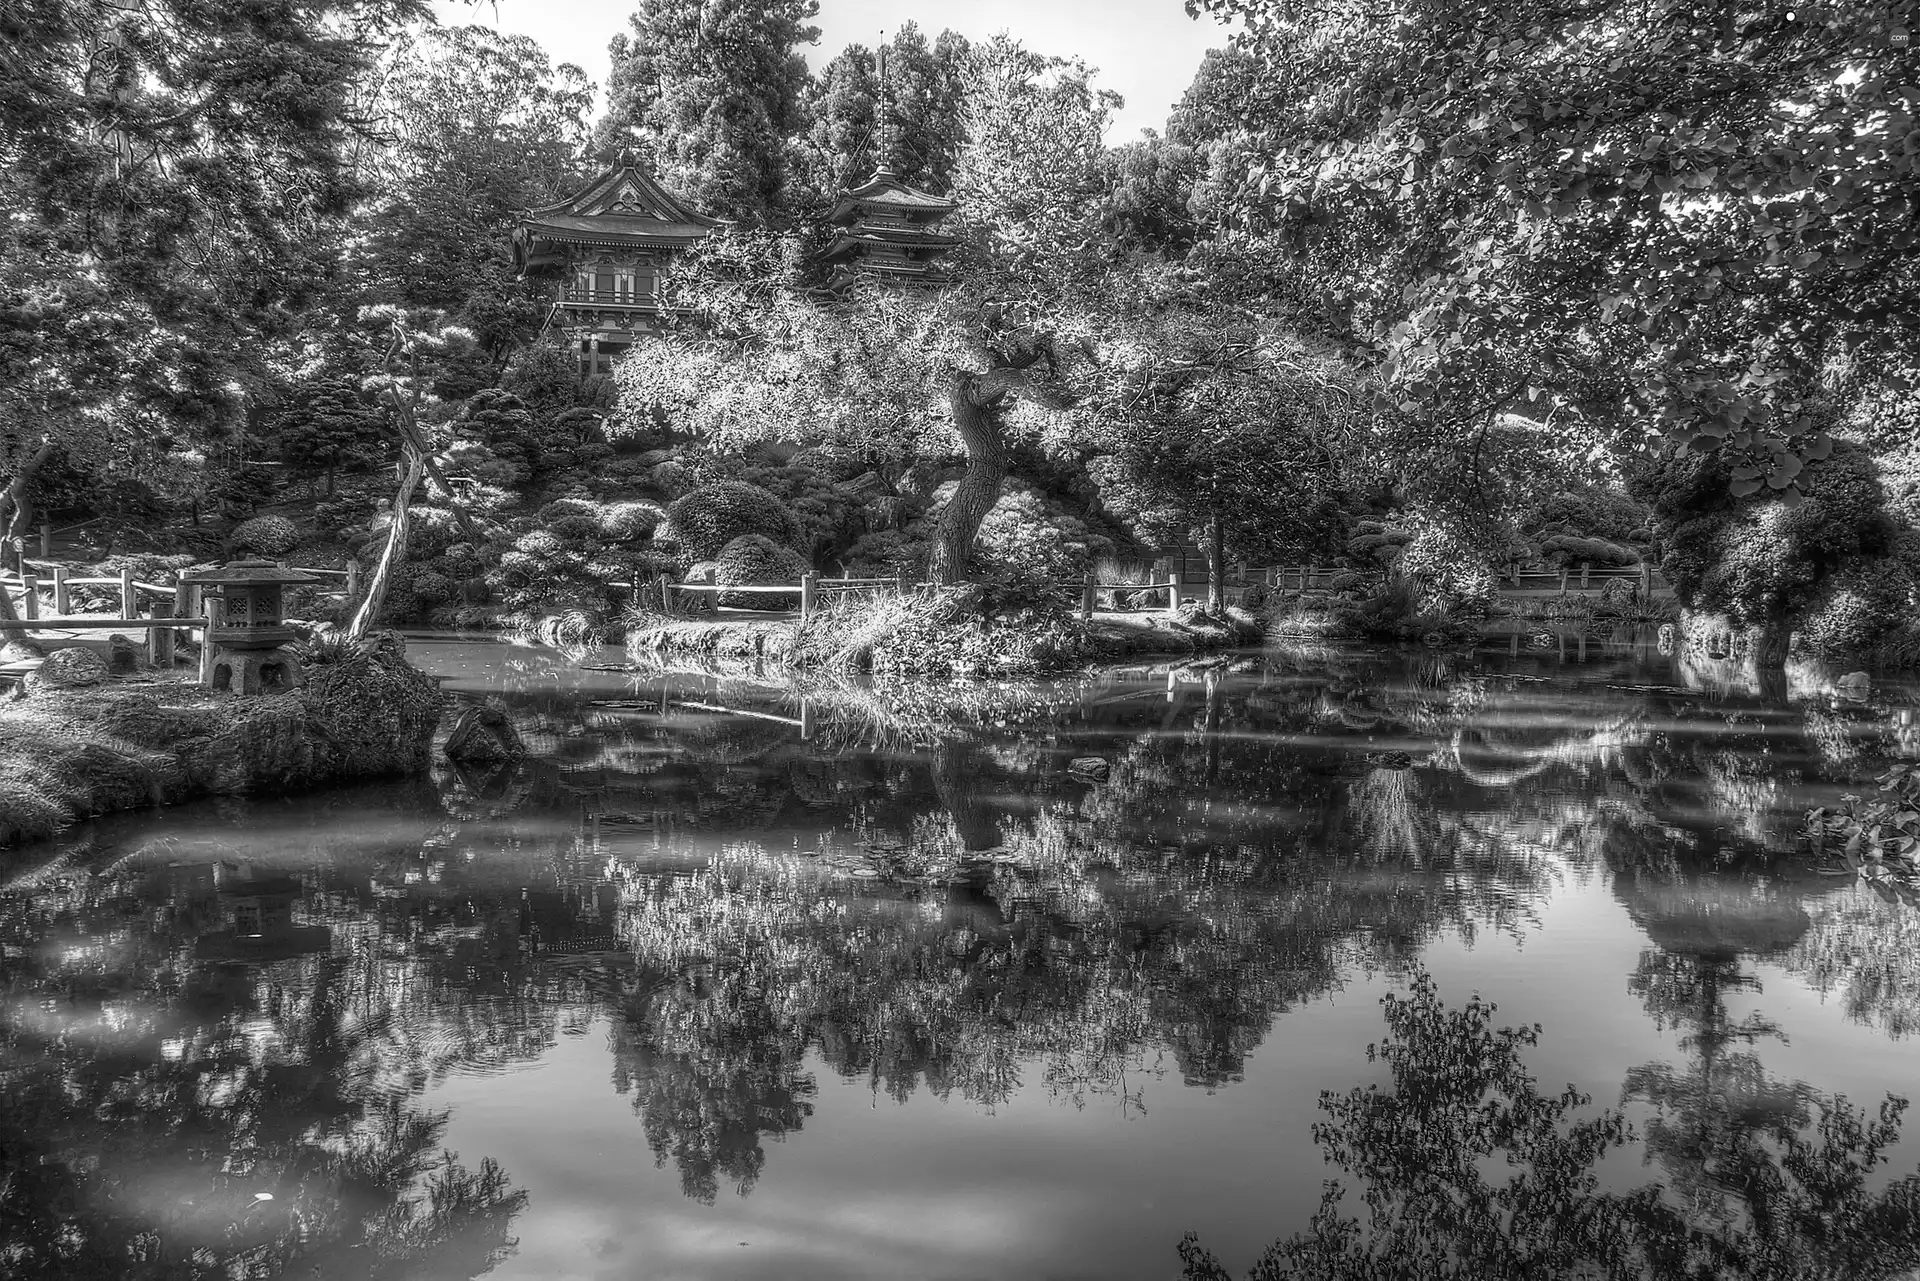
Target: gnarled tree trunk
x=977, y=417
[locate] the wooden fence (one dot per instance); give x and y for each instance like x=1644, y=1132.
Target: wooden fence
x=812, y=589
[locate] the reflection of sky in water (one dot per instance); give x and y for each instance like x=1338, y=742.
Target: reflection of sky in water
x=828, y=883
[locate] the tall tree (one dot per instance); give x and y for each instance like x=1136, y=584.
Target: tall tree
x=475, y=126
x=850, y=120
x=711, y=90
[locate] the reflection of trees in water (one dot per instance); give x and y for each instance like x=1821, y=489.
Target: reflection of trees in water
x=143, y=1147
x=1863, y=946
x=1464, y=1167
x=183, y=1100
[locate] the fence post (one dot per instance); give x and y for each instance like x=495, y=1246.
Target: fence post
x=900, y=581
x=46, y=539
x=806, y=595
x=211, y=606
x=62, y=602
x=160, y=639
x=1301, y=570
x=666, y=601
x=30, y=607
x=1173, y=592
x=1586, y=569
x=1563, y=582
x=1646, y=581
x=353, y=584
x=129, y=598
x=1087, y=591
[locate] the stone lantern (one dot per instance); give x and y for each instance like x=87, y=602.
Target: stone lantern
x=248, y=644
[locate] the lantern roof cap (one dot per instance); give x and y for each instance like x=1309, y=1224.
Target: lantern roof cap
x=257, y=572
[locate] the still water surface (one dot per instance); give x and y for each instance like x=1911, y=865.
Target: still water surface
x=725, y=982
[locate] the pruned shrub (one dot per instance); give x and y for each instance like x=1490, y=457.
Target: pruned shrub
x=709, y=517
x=1570, y=550
x=757, y=559
x=630, y=522
x=265, y=536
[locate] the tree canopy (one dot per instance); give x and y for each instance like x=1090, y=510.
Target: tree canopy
x=1692, y=219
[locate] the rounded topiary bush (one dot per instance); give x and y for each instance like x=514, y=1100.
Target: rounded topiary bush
x=1569, y=549
x=629, y=522
x=710, y=516
x=432, y=588
x=757, y=559
x=266, y=536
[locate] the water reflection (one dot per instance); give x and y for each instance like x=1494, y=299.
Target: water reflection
x=1094, y=893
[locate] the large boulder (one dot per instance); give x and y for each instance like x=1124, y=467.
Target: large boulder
x=68, y=669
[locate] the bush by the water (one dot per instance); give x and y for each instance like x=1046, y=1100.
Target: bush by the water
x=1763, y=561
x=705, y=519
x=756, y=559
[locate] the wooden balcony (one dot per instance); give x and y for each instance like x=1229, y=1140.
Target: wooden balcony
x=610, y=299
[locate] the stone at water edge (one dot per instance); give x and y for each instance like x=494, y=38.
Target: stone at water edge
x=483, y=736
x=1854, y=685
x=1090, y=768
x=68, y=668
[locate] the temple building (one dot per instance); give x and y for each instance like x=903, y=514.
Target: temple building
x=884, y=226
x=606, y=248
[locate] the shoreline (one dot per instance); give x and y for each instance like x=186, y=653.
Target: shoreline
x=159, y=739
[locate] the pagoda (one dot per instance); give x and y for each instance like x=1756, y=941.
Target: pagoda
x=608, y=246
x=884, y=226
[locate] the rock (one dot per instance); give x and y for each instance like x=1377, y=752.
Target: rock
x=69, y=668
x=1390, y=760
x=1434, y=640
x=123, y=657
x=1090, y=769
x=483, y=736
x=1854, y=685
x=868, y=484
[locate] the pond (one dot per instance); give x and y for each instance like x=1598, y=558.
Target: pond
x=961, y=981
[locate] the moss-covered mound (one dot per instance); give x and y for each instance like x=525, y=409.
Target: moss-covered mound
x=69, y=753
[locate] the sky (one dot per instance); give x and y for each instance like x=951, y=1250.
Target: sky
x=1146, y=50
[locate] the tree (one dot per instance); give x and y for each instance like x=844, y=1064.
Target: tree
x=1688, y=219
x=845, y=133
x=1241, y=436
x=891, y=371
x=710, y=89
x=476, y=126
x=327, y=427
x=171, y=175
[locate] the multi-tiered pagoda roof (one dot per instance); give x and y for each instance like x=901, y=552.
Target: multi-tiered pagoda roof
x=887, y=227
